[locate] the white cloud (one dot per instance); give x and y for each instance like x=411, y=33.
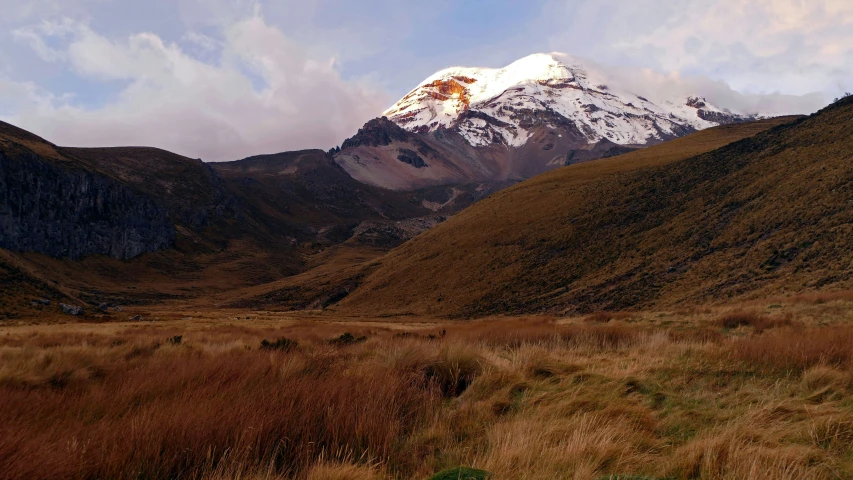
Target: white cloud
x=760, y=46
x=788, y=43
x=19, y=95
x=261, y=94
x=36, y=42
x=202, y=41
x=658, y=87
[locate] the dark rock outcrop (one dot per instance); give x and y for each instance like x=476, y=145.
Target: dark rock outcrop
x=722, y=118
x=411, y=158
x=71, y=309
x=601, y=149
x=376, y=133
x=72, y=212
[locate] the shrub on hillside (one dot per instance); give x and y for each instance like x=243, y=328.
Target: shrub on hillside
x=283, y=344
x=348, y=339
x=749, y=319
x=739, y=319
x=605, y=317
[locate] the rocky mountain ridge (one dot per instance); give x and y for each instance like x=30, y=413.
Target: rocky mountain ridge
x=543, y=111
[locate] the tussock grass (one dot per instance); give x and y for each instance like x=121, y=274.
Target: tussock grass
x=171, y=415
x=798, y=349
x=531, y=397
x=343, y=471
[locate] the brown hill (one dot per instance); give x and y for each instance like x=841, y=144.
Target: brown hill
x=136, y=224
x=666, y=224
x=306, y=192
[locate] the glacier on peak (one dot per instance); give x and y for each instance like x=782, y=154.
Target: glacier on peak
x=502, y=105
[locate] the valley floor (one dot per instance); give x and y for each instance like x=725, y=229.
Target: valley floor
x=754, y=390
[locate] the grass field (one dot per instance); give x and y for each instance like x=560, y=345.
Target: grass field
x=753, y=390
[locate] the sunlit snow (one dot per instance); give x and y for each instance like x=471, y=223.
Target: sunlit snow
x=554, y=82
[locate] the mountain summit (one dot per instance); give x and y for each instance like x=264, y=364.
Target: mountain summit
x=465, y=125
x=506, y=105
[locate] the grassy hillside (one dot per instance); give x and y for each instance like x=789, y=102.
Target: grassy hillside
x=664, y=224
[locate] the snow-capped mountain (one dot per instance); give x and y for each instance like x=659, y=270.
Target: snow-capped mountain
x=469, y=125
x=489, y=105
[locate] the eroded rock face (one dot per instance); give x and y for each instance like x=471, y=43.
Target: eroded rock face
x=412, y=158
x=453, y=88
x=68, y=212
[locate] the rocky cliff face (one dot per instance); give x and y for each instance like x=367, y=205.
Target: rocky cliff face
x=71, y=212
x=190, y=189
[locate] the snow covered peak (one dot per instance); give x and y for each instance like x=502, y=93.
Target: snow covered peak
x=439, y=99
x=489, y=82
x=502, y=105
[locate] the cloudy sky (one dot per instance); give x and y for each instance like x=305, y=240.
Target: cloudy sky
x=224, y=79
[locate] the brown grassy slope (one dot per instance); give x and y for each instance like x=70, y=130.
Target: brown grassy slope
x=15, y=141
x=19, y=291
x=628, y=230
x=329, y=276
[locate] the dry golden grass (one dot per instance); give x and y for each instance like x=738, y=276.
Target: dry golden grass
x=797, y=349
x=758, y=321
x=657, y=394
